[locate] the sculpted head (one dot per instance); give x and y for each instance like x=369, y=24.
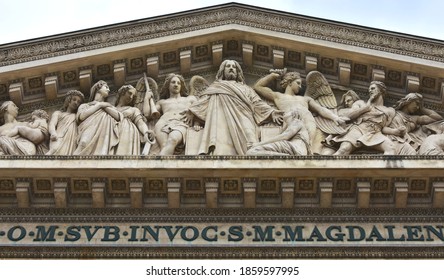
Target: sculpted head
x=40, y=114
x=8, y=107
x=125, y=95
x=99, y=86
x=73, y=98
x=411, y=102
x=230, y=70
x=377, y=87
x=288, y=78
x=173, y=82
x=349, y=98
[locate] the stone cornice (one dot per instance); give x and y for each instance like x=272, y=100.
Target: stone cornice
x=191, y=162
x=223, y=215
x=215, y=252
x=216, y=16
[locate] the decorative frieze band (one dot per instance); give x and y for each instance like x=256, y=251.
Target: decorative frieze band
x=219, y=16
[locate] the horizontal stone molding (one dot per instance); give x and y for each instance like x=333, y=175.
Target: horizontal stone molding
x=205, y=18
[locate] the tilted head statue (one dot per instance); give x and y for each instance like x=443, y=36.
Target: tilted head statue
x=288, y=78
x=381, y=86
x=409, y=98
x=95, y=88
x=69, y=96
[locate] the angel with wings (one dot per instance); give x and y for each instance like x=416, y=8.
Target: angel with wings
x=318, y=99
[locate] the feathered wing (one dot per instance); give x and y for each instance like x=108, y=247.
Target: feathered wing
x=141, y=90
x=319, y=89
x=198, y=84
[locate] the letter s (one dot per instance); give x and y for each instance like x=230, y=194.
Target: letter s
x=74, y=231
x=235, y=231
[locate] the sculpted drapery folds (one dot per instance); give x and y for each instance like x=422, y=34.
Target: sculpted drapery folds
x=19, y=138
x=369, y=129
x=98, y=124
x=294, y=139
x=63, y=125
x=232, y=115
x=410, y=116
x=291, y=82
x=232, y=112
x=133, y=129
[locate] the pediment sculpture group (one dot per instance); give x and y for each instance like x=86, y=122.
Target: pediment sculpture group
x=226, y=117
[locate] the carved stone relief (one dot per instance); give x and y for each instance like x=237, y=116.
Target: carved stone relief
x=226, y=117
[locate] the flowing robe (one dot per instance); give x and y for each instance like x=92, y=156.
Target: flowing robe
x=66, y=141
x=16, y=145
x=130, y=137
x=409, y=143
x=98, y=134
x=367, y=129
x=232, y=112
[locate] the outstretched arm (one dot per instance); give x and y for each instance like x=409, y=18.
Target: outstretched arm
x=428, y=116
x=261, y=86
x=324, y=112
x=358, y=108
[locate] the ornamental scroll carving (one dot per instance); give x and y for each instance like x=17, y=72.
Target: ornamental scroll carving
x=231, y=14
x=227, y=117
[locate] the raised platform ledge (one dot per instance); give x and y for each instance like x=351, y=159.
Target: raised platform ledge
x=224, y=162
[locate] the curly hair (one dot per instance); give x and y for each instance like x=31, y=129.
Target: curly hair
x=122, y=90
x=69, y=96
x=41, y=114
x=289, y=77
x=165, y=90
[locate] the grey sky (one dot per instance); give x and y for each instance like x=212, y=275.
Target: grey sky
x=28, y=19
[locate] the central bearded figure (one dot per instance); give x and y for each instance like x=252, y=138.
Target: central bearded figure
x=232, y=112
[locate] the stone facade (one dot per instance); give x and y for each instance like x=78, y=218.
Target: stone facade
x=394, y=199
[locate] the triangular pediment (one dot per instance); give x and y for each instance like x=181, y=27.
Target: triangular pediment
x=40, y=71
x=52, y=204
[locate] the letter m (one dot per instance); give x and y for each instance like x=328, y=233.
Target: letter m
x=263, y=235
x=45, y=235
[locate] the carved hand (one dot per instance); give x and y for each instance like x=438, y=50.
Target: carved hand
x=197, y=126
x=277, y=117
x=188, y=117
x=149, y=137
x=148, y=94
x=341, y=120
x=402, y=131
x=279, y=72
